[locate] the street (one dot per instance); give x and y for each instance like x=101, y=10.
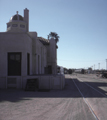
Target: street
x=94, y=90
x=84, y=98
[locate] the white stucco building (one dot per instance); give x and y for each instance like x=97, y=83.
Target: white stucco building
x=24, y=55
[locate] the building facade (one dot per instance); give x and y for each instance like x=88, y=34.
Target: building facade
x=24, y=55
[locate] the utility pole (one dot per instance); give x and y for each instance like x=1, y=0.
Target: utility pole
x=99, y=66
x=106, y=64
x=92, y=67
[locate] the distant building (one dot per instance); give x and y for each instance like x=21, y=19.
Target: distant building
x=90, y=70
x=24, y=55
x=60, y=70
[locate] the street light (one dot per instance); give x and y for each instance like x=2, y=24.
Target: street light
x=94, y=66
x=99, y=66
x=106, y=64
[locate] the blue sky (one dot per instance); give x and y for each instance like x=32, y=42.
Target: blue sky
x=81, y=25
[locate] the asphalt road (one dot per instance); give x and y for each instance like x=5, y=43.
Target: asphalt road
x=94, y=91
x=84, y=98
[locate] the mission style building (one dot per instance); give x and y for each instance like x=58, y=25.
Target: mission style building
x=24, y=55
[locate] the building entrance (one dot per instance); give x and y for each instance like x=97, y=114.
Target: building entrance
x=14, y=64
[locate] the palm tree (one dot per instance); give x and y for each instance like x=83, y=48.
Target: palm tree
x=54, y=35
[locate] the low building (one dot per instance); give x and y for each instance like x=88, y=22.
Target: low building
x=24, y=55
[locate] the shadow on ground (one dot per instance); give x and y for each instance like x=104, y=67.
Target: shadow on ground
x=70, y=91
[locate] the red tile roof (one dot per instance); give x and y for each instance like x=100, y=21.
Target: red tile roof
x=43, y=41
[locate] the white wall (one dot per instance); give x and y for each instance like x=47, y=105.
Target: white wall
x=33, y=36
x=27, y=43
x=15, y=42
x=41, y=51
x=47, y=81
x=52, y=55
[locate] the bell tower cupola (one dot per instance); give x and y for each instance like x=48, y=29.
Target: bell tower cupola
x=18, y=23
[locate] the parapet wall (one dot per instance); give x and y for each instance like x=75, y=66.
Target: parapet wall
x=47, y=81
x=44, y=81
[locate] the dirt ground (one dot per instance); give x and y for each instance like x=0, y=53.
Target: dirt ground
x=66, y=104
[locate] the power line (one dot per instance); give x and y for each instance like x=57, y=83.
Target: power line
x=80, y=60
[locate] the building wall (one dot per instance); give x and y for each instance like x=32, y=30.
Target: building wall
x=17, y=42
x=40, y=57
x=33, y=36
x=18, y=39
x=46, y=81
x=51, y=55
x=39, y=54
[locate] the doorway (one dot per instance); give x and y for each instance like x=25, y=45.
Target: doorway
x=14, y=64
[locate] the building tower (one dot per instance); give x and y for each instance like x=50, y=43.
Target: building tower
x=26, y=18
x=18, y=23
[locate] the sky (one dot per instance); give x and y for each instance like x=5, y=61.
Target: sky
x=80, y=24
